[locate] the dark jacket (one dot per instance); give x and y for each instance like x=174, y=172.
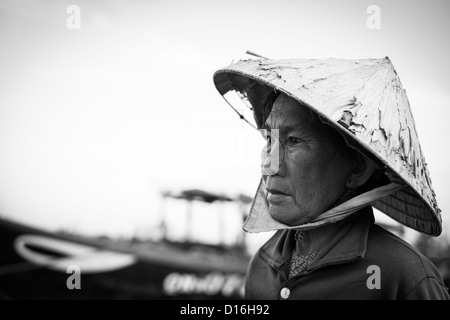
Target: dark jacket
x=346, y=267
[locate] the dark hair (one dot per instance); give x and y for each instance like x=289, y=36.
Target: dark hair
x=261, y=97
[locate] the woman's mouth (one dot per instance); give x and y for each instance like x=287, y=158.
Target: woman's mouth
x=275, y=196
x=275, y=192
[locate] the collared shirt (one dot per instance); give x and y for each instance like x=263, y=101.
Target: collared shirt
x=356, y=260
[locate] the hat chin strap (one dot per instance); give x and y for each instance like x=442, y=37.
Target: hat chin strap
x=259, y=219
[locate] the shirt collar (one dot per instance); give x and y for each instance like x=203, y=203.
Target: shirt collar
x=347, y=240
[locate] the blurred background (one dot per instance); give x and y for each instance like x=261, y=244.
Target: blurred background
x=113, y=139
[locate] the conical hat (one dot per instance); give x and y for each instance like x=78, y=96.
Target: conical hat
x=363, y=99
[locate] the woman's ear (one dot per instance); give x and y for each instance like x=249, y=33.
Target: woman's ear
x=363, y=169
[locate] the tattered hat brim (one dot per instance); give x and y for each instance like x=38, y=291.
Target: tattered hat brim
x=365, y=101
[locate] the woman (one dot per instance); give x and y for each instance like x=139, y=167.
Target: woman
x=340, y=138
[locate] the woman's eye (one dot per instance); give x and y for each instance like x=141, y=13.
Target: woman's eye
x=294, y=140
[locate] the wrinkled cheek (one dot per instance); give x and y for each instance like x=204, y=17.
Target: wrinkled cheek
x=306, y=183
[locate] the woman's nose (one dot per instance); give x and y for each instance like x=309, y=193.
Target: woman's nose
x=270, y=160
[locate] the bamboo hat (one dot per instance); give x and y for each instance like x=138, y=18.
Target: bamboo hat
x=365, y=101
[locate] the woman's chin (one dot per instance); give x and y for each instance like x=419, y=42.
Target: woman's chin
x=287, y=217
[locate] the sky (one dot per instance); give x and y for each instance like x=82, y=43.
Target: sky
x=95, y=122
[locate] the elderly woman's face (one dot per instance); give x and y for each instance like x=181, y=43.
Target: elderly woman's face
x=314, y=169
